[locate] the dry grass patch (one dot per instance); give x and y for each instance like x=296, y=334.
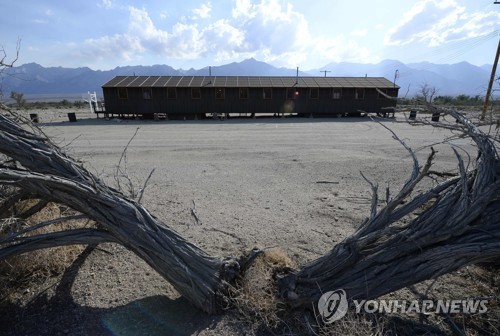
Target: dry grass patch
x=22, y=270
x=255, y=295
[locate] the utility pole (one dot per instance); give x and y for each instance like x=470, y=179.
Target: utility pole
x=490, y=85
x=396, y=75
x=325, y=71
x=492, y=78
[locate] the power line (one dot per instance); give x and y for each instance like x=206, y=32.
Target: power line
x=460, y=48
x=456, y=49
x=447, y=51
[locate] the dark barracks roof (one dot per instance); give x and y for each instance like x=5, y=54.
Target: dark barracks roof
x=249, y=81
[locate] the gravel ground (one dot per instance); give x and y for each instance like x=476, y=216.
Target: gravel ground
x=292, y=183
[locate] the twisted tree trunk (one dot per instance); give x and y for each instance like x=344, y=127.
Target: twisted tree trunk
x=51, y=175
x=462, y=226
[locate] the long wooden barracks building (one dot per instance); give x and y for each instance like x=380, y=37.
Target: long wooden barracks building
x=196, y=97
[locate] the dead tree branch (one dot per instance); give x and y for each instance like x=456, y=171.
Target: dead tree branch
x=52, y=175
x=3, y=58
x=461, y=227
x=4, y=64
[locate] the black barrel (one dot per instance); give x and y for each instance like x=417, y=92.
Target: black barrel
x=72, y=117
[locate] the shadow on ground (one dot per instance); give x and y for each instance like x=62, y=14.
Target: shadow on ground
x=234, y=120
x=60, y=315
x=157, y=315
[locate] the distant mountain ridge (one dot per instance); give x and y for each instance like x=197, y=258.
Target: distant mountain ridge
x=454, y=79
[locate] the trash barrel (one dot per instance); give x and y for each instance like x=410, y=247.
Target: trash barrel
x=72, y=117
x=435, y=117
x=413, y=114
x=34, y=118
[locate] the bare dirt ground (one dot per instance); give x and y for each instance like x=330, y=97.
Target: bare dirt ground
x=291, y=183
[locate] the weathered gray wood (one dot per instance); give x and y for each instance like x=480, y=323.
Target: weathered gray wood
x=461, y=227
x=50, y=174
x=62, y=238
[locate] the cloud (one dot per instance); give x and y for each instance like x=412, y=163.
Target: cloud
x=274, y=30
x=106, y=4
x=142, y=36
x=224, y=40
x=186, y=42
x=142, y=26
x=47, y=14
x=121, y=46
x=359, y=32
x=242, y=8
x=202, y=12
x=280, y=34
x=163, y=15
x=265, y=29
x=436, y=22
x=342, y=48
x=41, y=21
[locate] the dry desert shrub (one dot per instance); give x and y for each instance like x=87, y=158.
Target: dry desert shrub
x=255, y=297
x=255, y=294
x=256, y=300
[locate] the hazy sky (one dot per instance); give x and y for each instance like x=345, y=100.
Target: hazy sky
x=103, y=34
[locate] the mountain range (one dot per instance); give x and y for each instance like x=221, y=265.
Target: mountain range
x=450, y=79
